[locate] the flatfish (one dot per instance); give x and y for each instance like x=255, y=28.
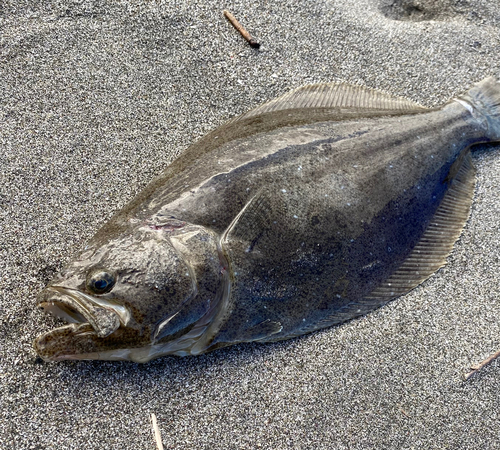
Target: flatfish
x=310, y=210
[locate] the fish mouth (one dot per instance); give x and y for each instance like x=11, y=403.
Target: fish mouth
x=73, y=306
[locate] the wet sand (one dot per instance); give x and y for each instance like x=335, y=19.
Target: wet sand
x=98, y=97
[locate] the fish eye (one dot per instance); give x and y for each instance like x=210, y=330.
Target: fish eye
x=100, y=281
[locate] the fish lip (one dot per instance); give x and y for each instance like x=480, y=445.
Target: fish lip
x=77, y=307
x=49, y=353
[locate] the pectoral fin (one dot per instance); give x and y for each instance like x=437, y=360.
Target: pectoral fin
x=254, y=220
x=262, y=330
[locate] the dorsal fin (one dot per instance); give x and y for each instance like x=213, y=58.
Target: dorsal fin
x=337, y=96
x=327, y=102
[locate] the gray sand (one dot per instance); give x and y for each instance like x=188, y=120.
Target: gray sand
x=98, y=97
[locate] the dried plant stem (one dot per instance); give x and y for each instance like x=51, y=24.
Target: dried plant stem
x=480, y=365
x=253, y=43
x=156, y=432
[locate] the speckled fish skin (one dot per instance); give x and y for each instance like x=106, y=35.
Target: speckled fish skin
x=299, y=215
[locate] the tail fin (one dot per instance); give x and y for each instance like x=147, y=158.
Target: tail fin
x=485, y=98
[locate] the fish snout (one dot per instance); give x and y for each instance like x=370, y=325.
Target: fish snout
x=76, y=307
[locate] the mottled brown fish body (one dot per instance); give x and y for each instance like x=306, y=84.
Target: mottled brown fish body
x=305, y=212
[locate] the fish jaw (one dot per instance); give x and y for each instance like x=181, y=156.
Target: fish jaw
x=74, y=306
x=95, y=325
x=61, y=343
x=79, y=341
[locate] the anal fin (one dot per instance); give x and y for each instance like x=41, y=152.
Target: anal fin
x=437, y=242
x=428, y=255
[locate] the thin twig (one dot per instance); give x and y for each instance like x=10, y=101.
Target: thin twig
x=253, y=43
x=480, y=365
x=156, y=432
x=404, y=412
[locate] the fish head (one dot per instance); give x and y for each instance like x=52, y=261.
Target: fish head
x=128, y=293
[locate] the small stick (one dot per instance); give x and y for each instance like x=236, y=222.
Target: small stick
x=156, y=432
x=253, y=43
x=480, y=365
x=404, y=412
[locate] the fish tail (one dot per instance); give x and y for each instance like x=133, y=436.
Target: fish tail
x=485, y=98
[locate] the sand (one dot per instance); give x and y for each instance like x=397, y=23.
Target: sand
x=98, y=97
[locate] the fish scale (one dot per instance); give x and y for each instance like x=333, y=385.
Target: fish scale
x=305, y=212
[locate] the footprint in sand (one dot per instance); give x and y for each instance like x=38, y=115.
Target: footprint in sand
x=420, y=10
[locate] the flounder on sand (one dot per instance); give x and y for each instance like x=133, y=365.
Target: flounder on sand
x=305, y=212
